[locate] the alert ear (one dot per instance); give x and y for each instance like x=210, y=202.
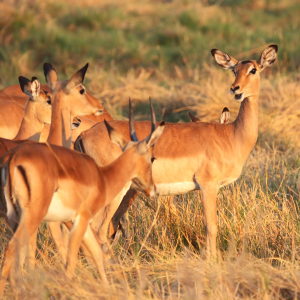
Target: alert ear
x=25, y=85
x=50, y=76
x=225, y=116
x=268, y=56
x=116, y=137
x=223, y=59
x=35, y=88
x=155, y=135
x=76, y=79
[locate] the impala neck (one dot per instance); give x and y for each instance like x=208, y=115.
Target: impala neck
x=118, y=173
x=60, y=130
x=30, y=127
x=246, y=124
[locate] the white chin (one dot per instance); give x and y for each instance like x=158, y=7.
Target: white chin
x=239, y=97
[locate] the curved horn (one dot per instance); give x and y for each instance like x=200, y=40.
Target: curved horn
x=131, y=125
x=153, y=119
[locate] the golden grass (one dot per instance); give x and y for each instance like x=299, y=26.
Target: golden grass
x=258, y=215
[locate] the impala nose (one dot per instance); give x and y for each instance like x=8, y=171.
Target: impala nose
x=233, y=89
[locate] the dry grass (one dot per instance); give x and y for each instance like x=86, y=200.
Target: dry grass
x=258, y=215
x=259, y=224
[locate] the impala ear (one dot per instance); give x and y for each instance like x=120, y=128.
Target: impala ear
x=76, y=79
x=223, y=59
x=225, y=116
x=35, y=88
x=50, y=75
x=268, y=56
x=116, y=137
x=25, y=85
x=155, y=135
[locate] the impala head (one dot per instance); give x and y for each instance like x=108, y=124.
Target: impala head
x=246, y=72
x=39, y=101
x=139, y=152
x=73, y=93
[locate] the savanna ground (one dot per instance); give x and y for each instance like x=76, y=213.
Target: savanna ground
x=162, y=49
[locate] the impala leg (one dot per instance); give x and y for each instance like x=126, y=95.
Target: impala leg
x=27, y=227
x=106, y=216
x=76, y=235
x=58, y=238
x=118, y=217
x=93, y=246
x=209, y=200
x=84, y=249
x=30, y=252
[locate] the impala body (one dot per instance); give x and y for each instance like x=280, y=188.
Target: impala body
x=76, y=190
x=196, y=155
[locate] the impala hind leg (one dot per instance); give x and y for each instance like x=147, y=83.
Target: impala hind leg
x=27, y=228
x=209, y=200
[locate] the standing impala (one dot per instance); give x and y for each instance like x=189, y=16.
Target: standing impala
x=76, y=189
x=192, y=156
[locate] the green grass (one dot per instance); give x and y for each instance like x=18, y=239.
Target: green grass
x=170, y=34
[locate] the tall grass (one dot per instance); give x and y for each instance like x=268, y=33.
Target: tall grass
x=162, y=49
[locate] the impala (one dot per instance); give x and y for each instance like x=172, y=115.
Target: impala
x=12, y=105
x=191, y=156
x=69, y=99
x=76, y=190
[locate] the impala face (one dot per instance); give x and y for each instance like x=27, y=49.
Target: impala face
x=141, y=157
x=39, y=101
x=43, y=107
x=246, y=72
x=246, y=80
x=73, y=93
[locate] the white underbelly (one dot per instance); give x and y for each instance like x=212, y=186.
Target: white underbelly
x=58, y=212
x=176, y=188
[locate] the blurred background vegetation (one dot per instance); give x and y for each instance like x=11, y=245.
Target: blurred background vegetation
x=148, y=34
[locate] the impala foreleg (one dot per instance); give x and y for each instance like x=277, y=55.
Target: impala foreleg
x=59, y=237
x=117, y=220
x=94, y=248
x=209, y=200
x=76, y=235
x=104, y=217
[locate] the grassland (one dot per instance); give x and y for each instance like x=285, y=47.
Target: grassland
x=162, y=49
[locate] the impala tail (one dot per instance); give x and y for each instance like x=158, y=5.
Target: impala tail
x=13, y=211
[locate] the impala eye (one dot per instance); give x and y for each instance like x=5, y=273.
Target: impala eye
x=82, y=91
x=49, y=101
x=234, y=72
x=152, y=159
x=253, y=71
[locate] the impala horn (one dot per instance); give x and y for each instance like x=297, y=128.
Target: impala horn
x=153, y=118
x=131, y=125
